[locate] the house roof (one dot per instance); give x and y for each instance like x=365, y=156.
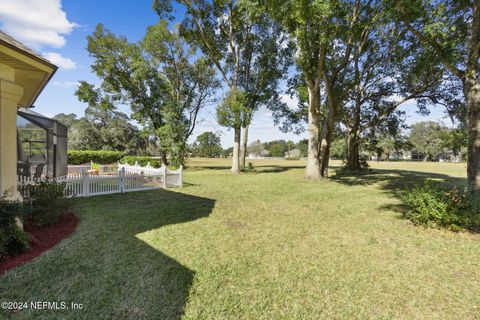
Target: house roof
x=17, y=45
x=32, y=71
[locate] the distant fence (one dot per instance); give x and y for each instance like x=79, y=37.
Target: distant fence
x=128, y=178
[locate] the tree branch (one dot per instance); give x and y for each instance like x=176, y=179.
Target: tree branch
x=432, y=43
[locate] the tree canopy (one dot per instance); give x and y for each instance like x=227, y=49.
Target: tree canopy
x=349, y=65
x=161, y=78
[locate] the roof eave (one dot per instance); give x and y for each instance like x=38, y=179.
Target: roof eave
x=40, y=88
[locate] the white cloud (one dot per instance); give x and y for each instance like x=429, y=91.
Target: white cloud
x=292, y=102
x=264, y=113
x=58, y=60
x=66, y=84
x=36, y=23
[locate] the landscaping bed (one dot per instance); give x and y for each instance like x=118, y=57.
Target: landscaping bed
x=41, y=239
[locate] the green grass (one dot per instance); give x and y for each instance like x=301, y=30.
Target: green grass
x=258, y=246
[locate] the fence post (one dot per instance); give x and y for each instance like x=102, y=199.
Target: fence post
x=164, y=176
x=181, y=176
x=121, y=180
x=85, y=183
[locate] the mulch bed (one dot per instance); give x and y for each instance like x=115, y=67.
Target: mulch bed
x=41, y=239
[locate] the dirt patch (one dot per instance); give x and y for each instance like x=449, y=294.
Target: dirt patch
x=41, y=239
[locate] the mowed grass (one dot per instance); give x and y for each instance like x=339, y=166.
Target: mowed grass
x=268, y=245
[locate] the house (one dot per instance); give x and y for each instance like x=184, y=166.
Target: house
x=261, y=154
x=400, y=155
x=448, y=156
x=419, y=156
x=23, y=75
x=293, y=154
x=264, y=153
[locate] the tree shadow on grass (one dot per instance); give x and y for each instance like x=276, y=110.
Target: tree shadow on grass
x=209, y=167
x=276, y=168
x=109, y=266
x=394, y=182
x=266, y=168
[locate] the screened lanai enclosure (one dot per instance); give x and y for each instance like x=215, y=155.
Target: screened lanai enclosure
x=41, y=145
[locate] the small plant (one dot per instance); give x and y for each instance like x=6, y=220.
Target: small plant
x=95, y=166
x=249, y=168
x=440, y=205
x=13, y=239
x=48, y=202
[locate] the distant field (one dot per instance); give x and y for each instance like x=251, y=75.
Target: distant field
x=226, y=163
x=266, y=245
x=451, y=169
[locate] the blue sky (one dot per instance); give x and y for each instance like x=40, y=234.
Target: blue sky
x=58, y=30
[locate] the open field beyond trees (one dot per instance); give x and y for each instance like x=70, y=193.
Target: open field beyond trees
x=267, y=245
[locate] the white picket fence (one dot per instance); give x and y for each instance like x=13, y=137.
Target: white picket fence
x=127, y=179
x=146, y=170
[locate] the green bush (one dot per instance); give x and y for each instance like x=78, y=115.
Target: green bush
x=48, y=202
x=76, y=157
x=143, y=161
x=13, y=239
x=440, y=205
x=249, y=168
x=346, y=171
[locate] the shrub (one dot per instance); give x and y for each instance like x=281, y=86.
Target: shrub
x=48, y=202
x=76, y=157
x=13, y=239
x=438, y=205
x=364, y=168
x=249, y=168
x=143, y=161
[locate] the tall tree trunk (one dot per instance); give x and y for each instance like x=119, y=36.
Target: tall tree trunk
x=236, y=150
x=163, y=157
x=472, y=93
x=244, y=145
x=327, y=133
x=312, y=171
x=353, y=156
x=326, y=159
x=472, y=96
x=325, y=143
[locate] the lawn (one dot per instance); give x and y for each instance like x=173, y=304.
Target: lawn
x=267, y=245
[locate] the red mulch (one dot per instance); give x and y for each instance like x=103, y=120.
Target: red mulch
x=41, y=239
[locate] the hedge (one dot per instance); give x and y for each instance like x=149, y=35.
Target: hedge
x=76, y=157
x=143, y=161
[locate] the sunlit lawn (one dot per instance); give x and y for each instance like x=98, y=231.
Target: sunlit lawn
x=267, y=245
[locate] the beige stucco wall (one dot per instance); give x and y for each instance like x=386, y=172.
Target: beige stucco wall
x=10, y=95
